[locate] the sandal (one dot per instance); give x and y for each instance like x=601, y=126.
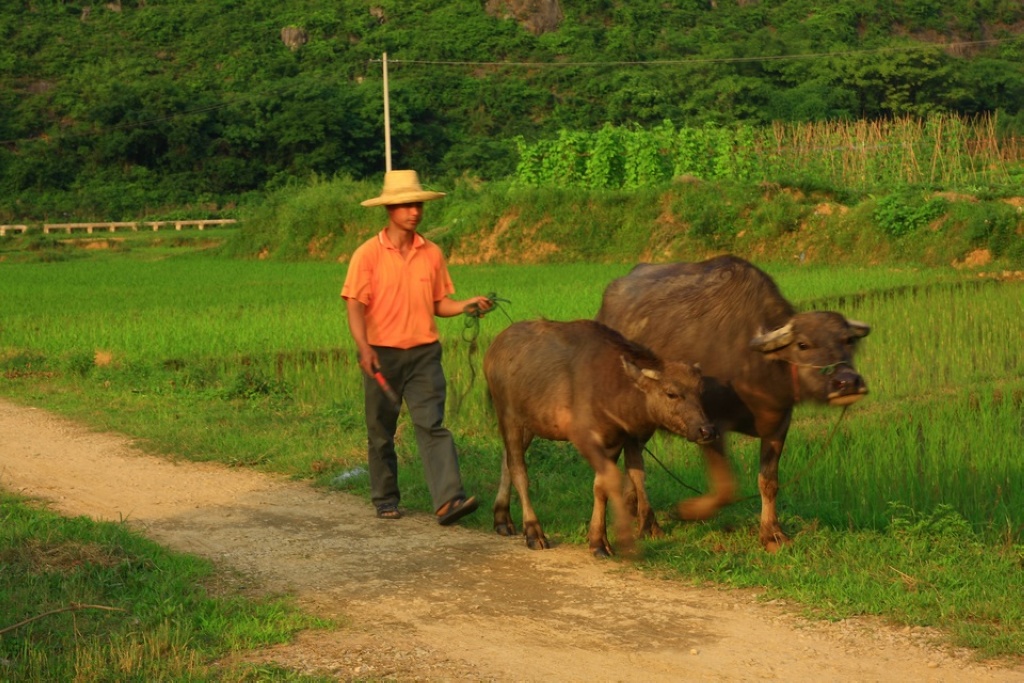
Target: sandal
x=388, y=511
x=457, y=508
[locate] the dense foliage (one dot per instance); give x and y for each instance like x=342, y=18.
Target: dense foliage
x=151, y=107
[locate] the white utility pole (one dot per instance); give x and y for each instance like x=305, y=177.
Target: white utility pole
x=387, y=117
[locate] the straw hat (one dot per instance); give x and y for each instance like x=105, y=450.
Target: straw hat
x=402, y=187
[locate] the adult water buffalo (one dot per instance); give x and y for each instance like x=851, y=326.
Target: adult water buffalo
x=759, y=358
x=584, y=383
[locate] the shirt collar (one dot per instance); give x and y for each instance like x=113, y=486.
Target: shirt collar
x=382, y=237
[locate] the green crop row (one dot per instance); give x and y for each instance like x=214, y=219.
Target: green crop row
x=862, y=156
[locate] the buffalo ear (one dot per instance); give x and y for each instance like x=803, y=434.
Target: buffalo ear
x=632, y=371
x=636, y=373
x=858, y=328
x=774, y=339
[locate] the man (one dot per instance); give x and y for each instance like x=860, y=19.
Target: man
x=397, y=282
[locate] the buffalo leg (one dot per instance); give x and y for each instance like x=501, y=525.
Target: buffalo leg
x=607, y=486
x=629, y=495
x=503, y=522
x=772, y=536
x=722, y=483
x=516, y=444
x=597, y=534
x=635, y=492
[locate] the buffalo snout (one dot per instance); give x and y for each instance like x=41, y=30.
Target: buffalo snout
x=845, y=387
x=706, y=434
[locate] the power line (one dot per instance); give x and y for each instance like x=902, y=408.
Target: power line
x=705, y=60
x=457, y=63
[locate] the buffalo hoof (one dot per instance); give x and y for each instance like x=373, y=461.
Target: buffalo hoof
x=698, y=509
x=774, y=541
x=505, y=528
x=602, y=553
x=648, y=527
x=653, y=531
x=537, y=542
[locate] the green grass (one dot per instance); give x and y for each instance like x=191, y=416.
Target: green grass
x=88, y=601
x=777, y=222
x=919, y=570
x=917, y=494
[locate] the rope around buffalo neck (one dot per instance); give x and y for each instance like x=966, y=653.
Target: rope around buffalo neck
x=823, y=369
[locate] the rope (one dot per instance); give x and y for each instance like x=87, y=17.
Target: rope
x=790, y=483
x=824, y=447
x=823, y=369
x=670, y=473
x=474, y=314
x=470, y=333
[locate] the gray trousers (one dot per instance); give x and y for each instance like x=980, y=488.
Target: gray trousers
x=417, y=376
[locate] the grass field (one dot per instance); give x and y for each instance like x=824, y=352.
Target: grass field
x=921, y=479
x=86, y=601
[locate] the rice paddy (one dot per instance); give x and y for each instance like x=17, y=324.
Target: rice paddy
x=942, y=425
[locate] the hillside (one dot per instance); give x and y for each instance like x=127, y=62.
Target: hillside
x=151, y=107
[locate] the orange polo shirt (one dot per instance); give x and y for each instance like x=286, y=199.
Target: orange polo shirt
x=399, y=293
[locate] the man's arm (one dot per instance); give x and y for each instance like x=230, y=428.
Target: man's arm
x=447, y=307
x=357, y=326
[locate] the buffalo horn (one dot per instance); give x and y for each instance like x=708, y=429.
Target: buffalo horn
x=860, y=329
x=775, y=339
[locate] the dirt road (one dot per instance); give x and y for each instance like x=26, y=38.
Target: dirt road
x=424, y=603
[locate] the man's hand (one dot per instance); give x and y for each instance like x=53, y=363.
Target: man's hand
x=385, y=387
x=478, y=306
x=368, y=360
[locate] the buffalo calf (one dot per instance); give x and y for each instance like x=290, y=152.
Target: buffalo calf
x=583, y=382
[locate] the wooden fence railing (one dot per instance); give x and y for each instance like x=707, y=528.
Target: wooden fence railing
x=114, y=226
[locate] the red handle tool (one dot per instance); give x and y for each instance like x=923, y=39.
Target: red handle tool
x=385, y=387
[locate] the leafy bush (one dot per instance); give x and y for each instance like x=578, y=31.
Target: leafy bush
x=777, y=215
x=318, y=218
x=906, y=211
x=995, y=225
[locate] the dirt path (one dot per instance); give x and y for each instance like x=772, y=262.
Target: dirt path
x=421, y=602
